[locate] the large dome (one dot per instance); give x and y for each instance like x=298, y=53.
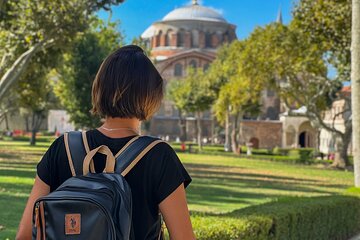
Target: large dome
x=194, y=12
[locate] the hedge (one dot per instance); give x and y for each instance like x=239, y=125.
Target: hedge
x=321, y=218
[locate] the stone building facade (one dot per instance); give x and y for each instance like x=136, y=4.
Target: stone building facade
x=189, y=36
x=186, y=37
x=336, y=117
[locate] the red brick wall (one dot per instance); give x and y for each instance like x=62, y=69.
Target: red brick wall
x=269, y=133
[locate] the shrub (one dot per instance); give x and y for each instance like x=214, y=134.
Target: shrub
x=27, y=139
x=322, y=218
x=281, y=151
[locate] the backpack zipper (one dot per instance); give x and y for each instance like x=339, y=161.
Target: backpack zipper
x=106, y=213
x=39, y=220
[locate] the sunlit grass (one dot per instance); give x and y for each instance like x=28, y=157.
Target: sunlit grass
x=220, y=183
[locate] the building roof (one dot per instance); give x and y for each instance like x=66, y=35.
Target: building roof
x=346, y=89
x=194, y=12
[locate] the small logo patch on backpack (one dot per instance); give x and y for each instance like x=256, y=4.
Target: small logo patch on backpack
x=72, y=224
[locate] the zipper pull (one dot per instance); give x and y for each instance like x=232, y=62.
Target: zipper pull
x=37, y=220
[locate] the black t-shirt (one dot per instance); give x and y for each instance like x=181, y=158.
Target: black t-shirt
x=153, y=178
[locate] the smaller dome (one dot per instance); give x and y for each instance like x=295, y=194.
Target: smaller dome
x=194, y=12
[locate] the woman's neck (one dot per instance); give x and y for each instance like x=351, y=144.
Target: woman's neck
x=120, y=127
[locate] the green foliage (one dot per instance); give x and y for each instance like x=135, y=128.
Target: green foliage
x=281, y=151
x=289, y=218
x=354, y=191
x=28, y=27
x=286, y=59
x=283, y=59
x=303, y=155
x=34, y=87
x=235, y=92
x=80, y=67
x=33, y=21
x=192, y=93
x=328, y=25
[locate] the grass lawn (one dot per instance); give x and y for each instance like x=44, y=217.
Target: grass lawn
x=220, y=183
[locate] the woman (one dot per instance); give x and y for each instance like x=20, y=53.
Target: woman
x=127, y=90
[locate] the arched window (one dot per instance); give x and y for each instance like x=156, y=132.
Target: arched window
x=193, y=64
x=208, y=40
x=181, y=38
x=158, y=39
x=178, y=70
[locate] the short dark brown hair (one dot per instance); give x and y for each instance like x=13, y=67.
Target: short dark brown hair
x=127, y=85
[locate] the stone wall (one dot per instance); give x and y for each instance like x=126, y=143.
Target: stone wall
x=266, y=133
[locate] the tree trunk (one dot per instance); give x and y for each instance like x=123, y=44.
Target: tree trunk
x=234, y=134
x=33, y=130
x=18, y=67
x=6, y=122
x=37, y=119
x=227, y=132
x=355, y=87
x=341, y=157
x=212, y=129
x=199, y=130
x=182, y=126
x=33, y=137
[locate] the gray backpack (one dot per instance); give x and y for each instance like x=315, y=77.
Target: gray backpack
x=92, y=205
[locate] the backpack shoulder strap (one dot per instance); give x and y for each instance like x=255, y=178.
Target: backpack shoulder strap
x=76, y=148
x=131, y=154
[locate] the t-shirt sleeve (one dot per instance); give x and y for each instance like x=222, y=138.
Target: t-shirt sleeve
x=44, y=167
x=169, y=174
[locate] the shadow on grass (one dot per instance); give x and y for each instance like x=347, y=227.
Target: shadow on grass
x=14, y=189
x=17, y=173
x=217, y=186
x=8, y=155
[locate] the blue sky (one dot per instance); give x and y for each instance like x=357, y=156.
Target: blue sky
x=137, y=15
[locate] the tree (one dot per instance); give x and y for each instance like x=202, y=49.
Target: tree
x=176, y=93
x=355, y=87
x=328, y=26
x=35, y=92
x=236, y=94
x=220, y=70
x=295, y=67
x=237, y=97
x=27, y=27
x=192, y=95
x=79, y=69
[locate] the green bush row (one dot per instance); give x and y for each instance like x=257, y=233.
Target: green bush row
x=27, y=139
x=320, y=218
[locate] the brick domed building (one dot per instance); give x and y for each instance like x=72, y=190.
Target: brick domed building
x=187, y=36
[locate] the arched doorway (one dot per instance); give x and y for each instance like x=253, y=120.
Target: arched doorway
x=255, y=142
x=302, y=139
x=305, y=140
x=307, y=135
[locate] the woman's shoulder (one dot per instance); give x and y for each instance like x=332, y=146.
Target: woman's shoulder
x=162, y=148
